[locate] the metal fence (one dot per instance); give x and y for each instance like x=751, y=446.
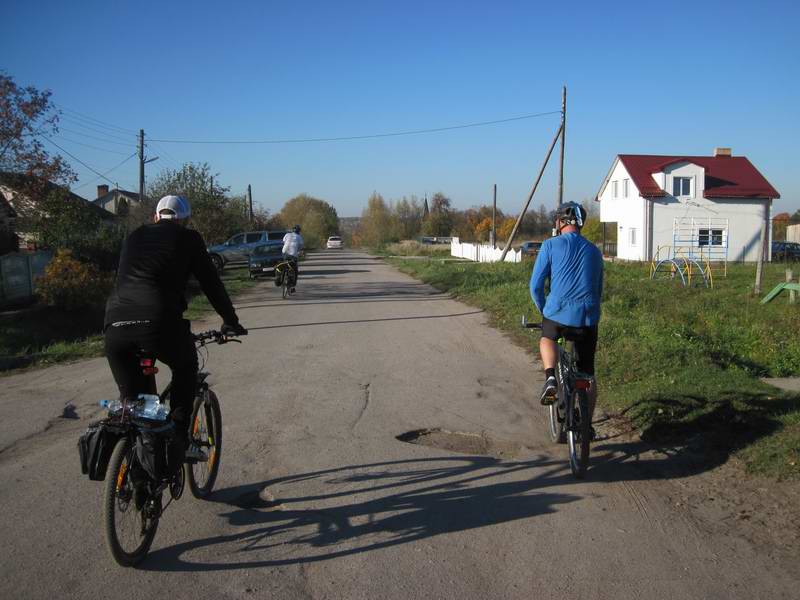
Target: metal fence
x=18, y=273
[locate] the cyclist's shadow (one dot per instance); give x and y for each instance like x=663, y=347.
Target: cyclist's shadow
x=400, y=502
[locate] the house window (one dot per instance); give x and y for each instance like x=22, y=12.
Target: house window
x=615, y=189
x=709, y=237
x=632, y=236
x=625, y=188
x=681, y=186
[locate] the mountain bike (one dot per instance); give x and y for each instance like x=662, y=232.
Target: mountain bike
x=286, y=277
x=568, y=417
x=132, y=499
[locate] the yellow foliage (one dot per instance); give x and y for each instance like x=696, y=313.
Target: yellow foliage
x=70, y=284
x=504, y=230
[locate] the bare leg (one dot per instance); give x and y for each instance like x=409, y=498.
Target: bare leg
x=549, y=352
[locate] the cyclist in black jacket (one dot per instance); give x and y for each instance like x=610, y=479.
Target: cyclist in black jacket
x=145, y=309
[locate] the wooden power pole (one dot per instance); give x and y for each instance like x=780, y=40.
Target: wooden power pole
x=494, y=218
x=530, y=196
x=250, y=201
x=143, y=160
x=563, y=134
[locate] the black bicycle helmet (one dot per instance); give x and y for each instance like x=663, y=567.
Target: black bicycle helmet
x=571, y=213
x=296, y=228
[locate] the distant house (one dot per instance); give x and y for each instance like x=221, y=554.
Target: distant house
x=696, y=206
x=14, y=200
x=116, y=201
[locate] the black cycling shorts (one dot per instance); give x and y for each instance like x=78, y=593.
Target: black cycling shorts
x=585, y=339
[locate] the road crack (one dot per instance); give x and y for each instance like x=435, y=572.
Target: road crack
x=366, y=391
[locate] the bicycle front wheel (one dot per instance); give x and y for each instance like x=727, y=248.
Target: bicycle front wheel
x=579, y=434
x=207, y=435
x=129, y=528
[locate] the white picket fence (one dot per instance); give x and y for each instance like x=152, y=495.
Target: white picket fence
x=482, y=252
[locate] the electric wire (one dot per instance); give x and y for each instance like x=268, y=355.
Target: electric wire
x=94, y=137
x=96, y=121
x=92, y=169
x=66, y=139
x=359, y=137
x=108, y=133
x=114, y=168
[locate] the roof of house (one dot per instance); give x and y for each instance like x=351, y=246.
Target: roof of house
x=107, y=197
x=726, y=176
x=18, y=181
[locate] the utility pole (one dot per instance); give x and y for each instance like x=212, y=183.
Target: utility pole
x=143, y=160
x=250, y=201
x=211, y=186
x=494, y=218
x=563, y=134
x=530, y=196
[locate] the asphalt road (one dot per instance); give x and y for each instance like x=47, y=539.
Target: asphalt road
x=313, y=402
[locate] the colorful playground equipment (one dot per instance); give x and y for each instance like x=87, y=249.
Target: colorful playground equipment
x=698, y=253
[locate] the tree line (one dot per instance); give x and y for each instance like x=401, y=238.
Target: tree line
x=385, y=222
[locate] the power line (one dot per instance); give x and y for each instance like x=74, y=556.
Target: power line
x=97, y=121
x=66, y=139
x=94, y=137
x=114, y=168
x=359, y=137
x=92, y=169
x=106, y=132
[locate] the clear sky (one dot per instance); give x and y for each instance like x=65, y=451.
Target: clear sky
x=642, y=77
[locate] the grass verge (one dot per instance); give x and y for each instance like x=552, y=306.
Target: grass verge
x=40, y=335
x=678, y=363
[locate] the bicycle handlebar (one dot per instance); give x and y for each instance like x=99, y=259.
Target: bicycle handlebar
x=528, y=325
x=213, y=336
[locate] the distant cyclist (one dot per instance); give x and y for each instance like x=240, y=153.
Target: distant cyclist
x=145, y=309
x=574, y=267
x=292, y=245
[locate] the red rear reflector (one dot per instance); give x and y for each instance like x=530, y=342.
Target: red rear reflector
x=583, y=384
x=150, y=370
x=147, y=362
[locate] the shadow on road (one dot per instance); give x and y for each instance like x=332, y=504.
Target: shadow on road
x=465, y=314
x=392, y=503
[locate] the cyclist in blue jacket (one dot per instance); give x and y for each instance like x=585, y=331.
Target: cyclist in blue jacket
x=574, y=267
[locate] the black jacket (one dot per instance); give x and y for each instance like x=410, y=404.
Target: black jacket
x=154, y=267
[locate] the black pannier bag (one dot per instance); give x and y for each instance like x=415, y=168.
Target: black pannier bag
x=152, y=447
x=95, y=447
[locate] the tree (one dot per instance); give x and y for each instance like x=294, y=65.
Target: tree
x=317, y=218
x=377, y=226
x=408, y=216
x=215, y=214
x=440, y=219
x=505, y=228
x=27, y=116
x=593, y=230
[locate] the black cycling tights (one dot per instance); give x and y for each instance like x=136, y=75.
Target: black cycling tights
x=170, y=343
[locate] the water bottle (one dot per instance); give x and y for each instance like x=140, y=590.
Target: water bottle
x=151, y=408
x=113, y=406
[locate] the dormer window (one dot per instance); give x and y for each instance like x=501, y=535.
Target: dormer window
x=681, y=186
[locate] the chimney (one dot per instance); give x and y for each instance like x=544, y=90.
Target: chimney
x=102, y=190
x=722, y=151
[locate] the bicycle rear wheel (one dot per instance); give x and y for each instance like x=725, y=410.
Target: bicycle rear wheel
x=556, y=427
x=579, y=434
x=129, y=529
x=285, y=288
x=207, y=435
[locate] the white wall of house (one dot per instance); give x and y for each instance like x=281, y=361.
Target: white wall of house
x=627, y=211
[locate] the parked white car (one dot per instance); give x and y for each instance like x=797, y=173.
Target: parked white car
x=334, y=242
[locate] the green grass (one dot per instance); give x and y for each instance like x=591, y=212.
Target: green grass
x=39, y=336
x=675, y=361
x=413, y=248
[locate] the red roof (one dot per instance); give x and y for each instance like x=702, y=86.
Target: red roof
x=726, y=176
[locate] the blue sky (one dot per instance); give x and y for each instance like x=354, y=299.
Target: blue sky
x=655, y=78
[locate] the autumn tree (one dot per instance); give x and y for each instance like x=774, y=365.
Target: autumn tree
x=440, y=219
x=377, y=226
x=317, y=218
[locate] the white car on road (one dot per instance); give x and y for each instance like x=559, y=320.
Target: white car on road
x=334, y=242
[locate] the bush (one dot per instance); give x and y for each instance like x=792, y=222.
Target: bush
x=71, y=285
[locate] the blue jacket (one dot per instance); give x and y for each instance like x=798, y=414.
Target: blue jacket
x=574, y=267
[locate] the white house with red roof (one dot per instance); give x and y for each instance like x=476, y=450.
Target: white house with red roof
x=696, y=206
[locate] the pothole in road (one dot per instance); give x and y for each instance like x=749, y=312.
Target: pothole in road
x=462, y=442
